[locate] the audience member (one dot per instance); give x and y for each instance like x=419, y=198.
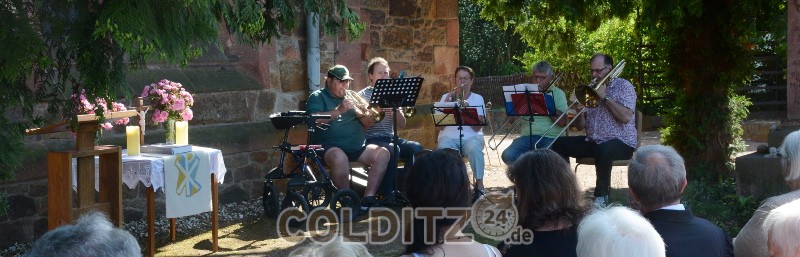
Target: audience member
x=439, y=179
x=336, y=247
x=92, y=235
x=549, y=203
x=782, y=228
x=618, y=232
x=657, y=178
x=752, y=241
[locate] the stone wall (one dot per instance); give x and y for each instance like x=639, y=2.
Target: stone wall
x=236, y=87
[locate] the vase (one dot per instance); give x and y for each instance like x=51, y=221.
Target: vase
x=169, y=131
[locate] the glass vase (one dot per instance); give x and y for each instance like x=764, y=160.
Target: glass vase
x=169, y=131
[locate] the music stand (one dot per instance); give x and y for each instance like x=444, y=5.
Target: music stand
x=396, y=93
x=527, y=100
x=452, y=114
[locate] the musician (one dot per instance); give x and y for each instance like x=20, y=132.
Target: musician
x=610, y=128
x=381, y=133
x=542, y=75
x=344, y=139
x=472, y=143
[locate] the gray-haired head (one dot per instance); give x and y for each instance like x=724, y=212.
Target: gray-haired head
x=618, y=232
x=782, y=227
x=543, y=67
x=790, y=151
x=92, y=235
x=656, y=174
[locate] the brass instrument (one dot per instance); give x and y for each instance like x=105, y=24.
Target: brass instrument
x=408, y=112
x=453, y=97
x=363, y=107
x=587, y=96
x=516, y=123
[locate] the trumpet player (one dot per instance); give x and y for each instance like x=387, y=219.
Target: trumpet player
x=542, y=75
x=610, y=127
x=381, y=133
x=344, y=140
x=471, y=145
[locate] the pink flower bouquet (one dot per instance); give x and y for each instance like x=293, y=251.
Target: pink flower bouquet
x=83, y=106
x=169, y=100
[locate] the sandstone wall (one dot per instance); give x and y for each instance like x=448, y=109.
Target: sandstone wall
x=236, y=87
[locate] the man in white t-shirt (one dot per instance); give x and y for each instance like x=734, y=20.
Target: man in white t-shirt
x=471, y=145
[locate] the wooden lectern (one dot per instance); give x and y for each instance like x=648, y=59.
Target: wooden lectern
x=62, y=205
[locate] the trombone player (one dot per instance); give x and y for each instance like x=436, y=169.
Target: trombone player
x=542, y=75
x=381, y=132
x=610, y=127
x=344, y=140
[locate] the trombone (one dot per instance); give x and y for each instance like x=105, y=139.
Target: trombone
x=517, y=122
x=587, y=96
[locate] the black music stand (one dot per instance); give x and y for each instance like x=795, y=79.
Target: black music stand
x=457, y=115
x=396, y=93
x=524, y=100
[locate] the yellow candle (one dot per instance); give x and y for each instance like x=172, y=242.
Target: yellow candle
x=132, y=133
x=181, y=132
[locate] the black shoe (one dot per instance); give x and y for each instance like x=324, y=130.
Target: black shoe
x=368, y=202
x=477, y=194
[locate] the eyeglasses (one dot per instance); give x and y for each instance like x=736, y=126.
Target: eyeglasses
x=598, y=70
x=463, y=78
x=539, y=77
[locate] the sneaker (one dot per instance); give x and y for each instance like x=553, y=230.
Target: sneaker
x=368, y=202
x=600, y=201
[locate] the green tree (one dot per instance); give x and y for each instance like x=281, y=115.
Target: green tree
x=706, y=45
x=51, y=49
x=489, y=50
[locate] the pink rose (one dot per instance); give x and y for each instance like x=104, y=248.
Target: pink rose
x=177, y=105
x=145, y=91
x=106, y=126
x=187, y=114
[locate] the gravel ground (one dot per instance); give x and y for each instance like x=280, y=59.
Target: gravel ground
x=244, y=231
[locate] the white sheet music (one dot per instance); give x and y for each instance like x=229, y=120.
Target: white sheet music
x=518, y=88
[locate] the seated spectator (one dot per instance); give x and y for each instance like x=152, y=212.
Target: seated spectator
x=752, y=241
x=93, y=235
x=439, y=179
x=618, y=232
x=550, y=204
x=782, y=228
x=656, y=178
x=336, y=247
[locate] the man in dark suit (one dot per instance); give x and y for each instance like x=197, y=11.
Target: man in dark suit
x=656, y=178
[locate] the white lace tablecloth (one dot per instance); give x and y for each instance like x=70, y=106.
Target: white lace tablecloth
x=149, y=168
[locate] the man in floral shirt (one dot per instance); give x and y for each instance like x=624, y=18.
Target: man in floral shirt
x=610, y=127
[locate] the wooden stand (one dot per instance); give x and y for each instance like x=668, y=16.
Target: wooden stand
x=107, y=199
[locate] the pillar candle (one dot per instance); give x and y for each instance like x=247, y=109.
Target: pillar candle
x=181, y=132
x=132, y=134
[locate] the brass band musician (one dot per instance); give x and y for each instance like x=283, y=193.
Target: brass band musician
x=542, y=75
x=610, y=127
x=344, y=140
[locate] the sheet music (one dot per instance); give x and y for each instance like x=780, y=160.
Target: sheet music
x=518, y=88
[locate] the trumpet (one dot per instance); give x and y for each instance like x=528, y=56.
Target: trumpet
x=453, y=97
x=493, y=144
x=587, y=96
x=363, y=107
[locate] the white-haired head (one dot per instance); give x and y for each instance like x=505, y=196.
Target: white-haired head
x=618, y=232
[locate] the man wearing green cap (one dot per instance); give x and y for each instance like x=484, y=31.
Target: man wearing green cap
x=344, y=140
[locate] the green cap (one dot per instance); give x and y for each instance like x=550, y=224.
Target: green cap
x=340, y=72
